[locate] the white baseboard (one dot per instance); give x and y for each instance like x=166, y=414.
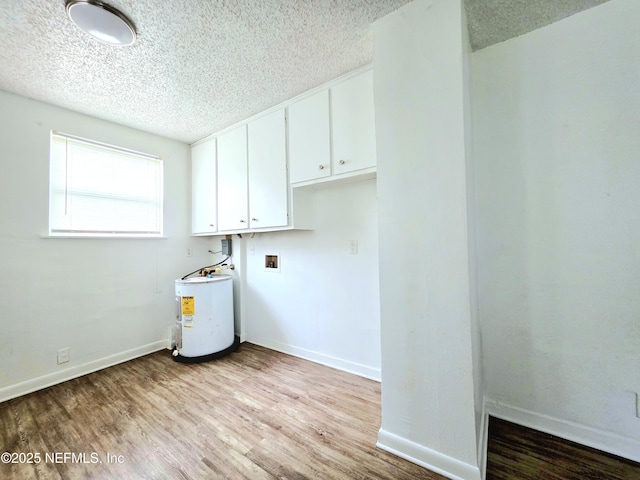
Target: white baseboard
x=591, y=437
x=50, y=379
x=327, y=360
x=426, y=457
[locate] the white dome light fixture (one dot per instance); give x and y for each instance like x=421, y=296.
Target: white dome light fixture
x=101, y=21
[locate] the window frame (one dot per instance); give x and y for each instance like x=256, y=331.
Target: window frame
x=55, y=231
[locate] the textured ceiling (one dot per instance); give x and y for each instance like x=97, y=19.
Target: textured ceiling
x=198, y=65
x=493, y=21
x=201, y=65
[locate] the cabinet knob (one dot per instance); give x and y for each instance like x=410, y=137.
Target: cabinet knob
x=321, y=167
x=342, y=162
x=254, y=219
x=242, y=221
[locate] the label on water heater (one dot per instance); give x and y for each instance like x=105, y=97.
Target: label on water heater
x=188, y=310
x=188, y=306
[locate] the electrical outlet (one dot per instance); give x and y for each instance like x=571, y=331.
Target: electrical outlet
x=637, y=405
x=188, y=252
x=353, y=247
x=63, y=355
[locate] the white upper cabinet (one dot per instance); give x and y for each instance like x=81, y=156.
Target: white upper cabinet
x=268, y=171
x=353, y=124
x=264, y=164
x=233, y=205
x=309, y=138
x=203, y=192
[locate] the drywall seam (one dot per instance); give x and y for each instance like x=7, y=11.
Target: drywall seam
x=575, y=432
x=317, y=357
x=55, y=378
x=426, y=457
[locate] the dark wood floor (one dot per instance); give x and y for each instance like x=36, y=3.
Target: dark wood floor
x=519, y=453
x=255, y=414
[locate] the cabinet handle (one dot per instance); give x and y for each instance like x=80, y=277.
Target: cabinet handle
x=321, y=167
x=342, y=162
x=254, y=219
x=211, y=225
x=242, y=221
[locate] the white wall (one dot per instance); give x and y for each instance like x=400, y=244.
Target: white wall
x=323, y=304
x=426, y=324
x=557, y=142
x=108, y=300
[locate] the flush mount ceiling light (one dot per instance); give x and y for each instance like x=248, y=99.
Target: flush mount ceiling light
x=101, y=21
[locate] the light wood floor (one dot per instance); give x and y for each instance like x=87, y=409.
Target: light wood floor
x=255, y=414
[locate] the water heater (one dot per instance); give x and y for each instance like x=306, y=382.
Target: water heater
x=204, y=319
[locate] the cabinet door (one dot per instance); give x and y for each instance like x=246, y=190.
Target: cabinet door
x=268, y=171
x=232, y=180
x=203, y=188
x=309, y=138
x=353, y=124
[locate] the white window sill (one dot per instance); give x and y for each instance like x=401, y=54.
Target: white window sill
x=105, y=236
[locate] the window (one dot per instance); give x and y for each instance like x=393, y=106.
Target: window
x=101, y=190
